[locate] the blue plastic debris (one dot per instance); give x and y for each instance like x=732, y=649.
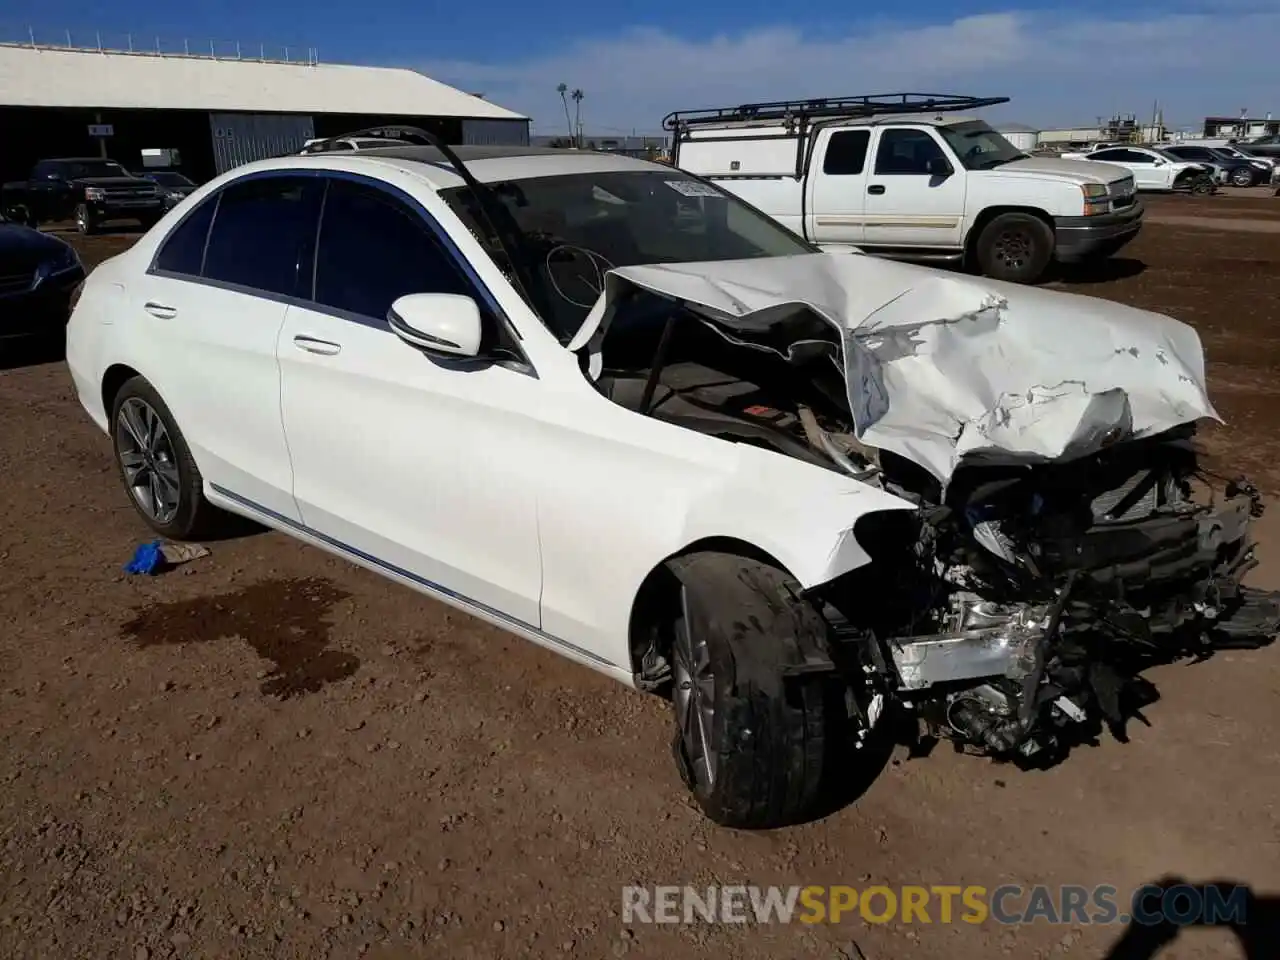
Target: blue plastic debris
x=147, y=559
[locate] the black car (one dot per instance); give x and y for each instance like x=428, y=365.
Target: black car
x=1240, y=172
x=176, y=186
x=90, y=190
x=38, y=275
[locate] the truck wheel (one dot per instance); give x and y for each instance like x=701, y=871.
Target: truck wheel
x=1242, y=177
x=1016, y=247
x=751, y=743
x=156, y=467
x=85, y=221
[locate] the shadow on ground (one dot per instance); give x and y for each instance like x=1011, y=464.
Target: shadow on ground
x=1256, y=925
x=1097, y=271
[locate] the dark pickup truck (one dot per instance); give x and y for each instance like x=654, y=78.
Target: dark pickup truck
x=89, y=190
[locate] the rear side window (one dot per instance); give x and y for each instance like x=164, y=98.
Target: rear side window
x=183, y=250
x=264, y=233
x=374, y=249
x=846, y=153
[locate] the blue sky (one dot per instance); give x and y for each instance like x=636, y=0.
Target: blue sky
x=635, y=62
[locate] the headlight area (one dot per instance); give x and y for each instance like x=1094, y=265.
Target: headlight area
x=1096, y=199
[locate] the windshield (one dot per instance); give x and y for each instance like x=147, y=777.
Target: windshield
x=978, y=146
x=573, y=229
x=79, y=169
x=168, y=178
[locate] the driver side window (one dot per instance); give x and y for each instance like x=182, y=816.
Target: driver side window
x=373, y=249
x=907, y=151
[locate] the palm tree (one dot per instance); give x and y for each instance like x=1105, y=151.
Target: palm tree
x=577, y=96
x=562, y=89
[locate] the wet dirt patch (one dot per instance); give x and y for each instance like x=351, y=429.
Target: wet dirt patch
x=282, y=620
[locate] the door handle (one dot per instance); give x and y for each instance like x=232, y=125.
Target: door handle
x=876, y=188
x=326, y=348
x=161, y=310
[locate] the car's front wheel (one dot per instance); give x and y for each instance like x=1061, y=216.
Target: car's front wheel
x=753, y=728
x=86, y=222
x=155, y=464
x=1016, y=247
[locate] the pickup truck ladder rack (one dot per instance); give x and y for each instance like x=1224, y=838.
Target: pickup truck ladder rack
x=803, y=111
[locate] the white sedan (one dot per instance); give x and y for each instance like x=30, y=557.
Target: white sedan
x=604, y=405
x=1154, y=170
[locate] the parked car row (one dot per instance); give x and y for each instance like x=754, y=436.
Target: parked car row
x=91, y=191
x=1189, y=167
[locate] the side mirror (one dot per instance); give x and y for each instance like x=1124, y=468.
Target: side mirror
x=439, y=322
x=939, y=167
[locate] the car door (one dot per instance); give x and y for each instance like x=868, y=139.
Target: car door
x=907, y=205
x=210, y=308
x=1147, y=174
x=407, y=461
x=837, y=204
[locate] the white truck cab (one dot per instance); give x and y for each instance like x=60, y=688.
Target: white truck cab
x=905, y=176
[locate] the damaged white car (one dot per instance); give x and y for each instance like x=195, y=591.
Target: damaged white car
x=601, y=404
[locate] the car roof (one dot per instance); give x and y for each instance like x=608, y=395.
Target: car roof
x=488, y=164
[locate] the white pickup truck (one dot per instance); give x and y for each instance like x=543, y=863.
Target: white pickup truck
x=904, y=176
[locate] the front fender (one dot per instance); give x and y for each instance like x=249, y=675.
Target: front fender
x=800, y=514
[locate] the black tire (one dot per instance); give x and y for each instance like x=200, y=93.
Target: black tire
x=769, y=734
x=85, y=221
x=194, y=517
x=1016, y=247
x=1243, y=177
x=1202, y=185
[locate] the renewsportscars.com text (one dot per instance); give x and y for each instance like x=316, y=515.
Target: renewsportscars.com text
x=1009, y=904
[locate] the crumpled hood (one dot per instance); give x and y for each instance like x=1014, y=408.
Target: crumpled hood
x=942, y=367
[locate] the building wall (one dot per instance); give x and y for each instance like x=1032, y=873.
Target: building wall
x=29, y=134
x=240, y=138
x=495, y=133
x=1022, y=139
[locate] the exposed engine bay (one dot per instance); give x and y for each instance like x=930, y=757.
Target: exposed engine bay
x=1015, y=608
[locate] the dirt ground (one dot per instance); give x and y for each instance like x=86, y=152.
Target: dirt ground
x=270, y=753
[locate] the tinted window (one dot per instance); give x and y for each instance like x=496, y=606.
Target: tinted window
x=183, y=250
x=374, y=249
x=906, y=151
x=846, y=152
x=1121, y=156
x=263, y=234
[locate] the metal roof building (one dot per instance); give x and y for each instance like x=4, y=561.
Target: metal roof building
x=204, y=114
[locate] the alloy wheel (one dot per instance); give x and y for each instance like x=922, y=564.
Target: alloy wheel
x=147, y=459
x=695, y=699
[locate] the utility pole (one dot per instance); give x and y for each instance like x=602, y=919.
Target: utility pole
x=578, y=96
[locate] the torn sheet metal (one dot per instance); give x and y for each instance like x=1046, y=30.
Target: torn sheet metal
x=942, y=367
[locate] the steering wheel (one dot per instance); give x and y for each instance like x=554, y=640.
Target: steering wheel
x=576, y=273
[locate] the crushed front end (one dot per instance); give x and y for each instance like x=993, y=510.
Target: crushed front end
x=1036, y=595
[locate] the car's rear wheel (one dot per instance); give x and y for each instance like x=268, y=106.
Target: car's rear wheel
x=86, y=222
x=751, y=741
x=155, y=464
x=1016, y=247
